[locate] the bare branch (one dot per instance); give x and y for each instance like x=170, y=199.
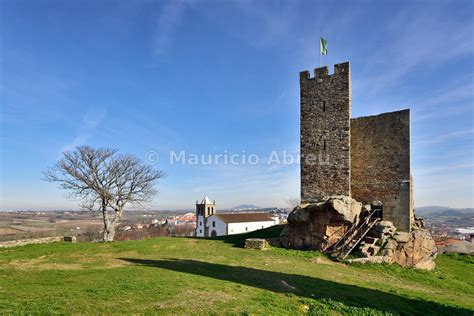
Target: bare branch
x=104, y=180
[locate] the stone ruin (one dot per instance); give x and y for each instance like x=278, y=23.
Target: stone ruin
x=356, y=184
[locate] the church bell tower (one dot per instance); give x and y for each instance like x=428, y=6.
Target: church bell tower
x=203, y=210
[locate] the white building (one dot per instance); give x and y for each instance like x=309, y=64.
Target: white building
x=237, y=223
x=203, y=210
x=210, y=224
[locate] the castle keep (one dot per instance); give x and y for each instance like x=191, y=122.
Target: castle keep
x=366, y=158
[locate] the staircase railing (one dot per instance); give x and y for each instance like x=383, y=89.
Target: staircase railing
x=349, y=232
x=352, y=233
x=354, y=242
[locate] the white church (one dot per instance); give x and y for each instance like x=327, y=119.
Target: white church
x=211, y=224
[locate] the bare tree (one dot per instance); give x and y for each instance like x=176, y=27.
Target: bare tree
x=105, y=181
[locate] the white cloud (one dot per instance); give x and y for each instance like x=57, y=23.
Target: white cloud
x=90, y=121
x=426, y=40
x=166, y=24
x=443, y=170
x=444, y=137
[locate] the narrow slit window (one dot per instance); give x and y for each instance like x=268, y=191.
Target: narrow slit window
x=324, y=146
x=324, y=106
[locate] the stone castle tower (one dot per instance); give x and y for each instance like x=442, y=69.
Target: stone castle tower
x=203, y=210
x=367, y=158
x=325, y=133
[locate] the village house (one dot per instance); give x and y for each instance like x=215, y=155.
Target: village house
x=211, y=224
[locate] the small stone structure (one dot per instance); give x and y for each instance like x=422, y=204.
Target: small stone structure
x=256, y=243
x=70, y=239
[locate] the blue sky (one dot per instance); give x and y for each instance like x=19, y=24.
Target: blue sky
x=222, y=76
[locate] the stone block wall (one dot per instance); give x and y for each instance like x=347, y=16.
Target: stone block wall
x=380, y=164
x=325, y=132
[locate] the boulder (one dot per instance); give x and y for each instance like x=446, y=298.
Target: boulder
x=419, y=251
x=462, y=247
x=320, y=224
x=390, y=244
x=408, y=249
x=402, y=237
x=348, y=208
x=385, y=227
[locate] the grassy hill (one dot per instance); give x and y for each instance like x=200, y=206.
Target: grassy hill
x=196, y=276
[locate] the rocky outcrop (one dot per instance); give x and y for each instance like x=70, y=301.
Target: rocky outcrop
x=462, y=247
x=415, y=249
x=319, y=225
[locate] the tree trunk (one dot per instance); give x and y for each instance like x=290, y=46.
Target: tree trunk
x=110, y=224
x=109, y=233
x=109, y=228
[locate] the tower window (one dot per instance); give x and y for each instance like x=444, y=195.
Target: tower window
x=325, y=146
x=324, y=106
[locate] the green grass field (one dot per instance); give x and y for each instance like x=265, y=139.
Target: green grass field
x=193, y=276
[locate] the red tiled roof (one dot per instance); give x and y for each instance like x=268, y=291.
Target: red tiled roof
x=244, y=217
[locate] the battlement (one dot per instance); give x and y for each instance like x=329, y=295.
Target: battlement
x=323, y=72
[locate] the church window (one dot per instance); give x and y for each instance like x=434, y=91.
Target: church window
x=213, y=224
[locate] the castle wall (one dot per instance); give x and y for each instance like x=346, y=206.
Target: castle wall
x=380, y=164
x=325, y=135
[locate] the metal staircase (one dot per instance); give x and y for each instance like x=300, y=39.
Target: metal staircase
x=353, y=236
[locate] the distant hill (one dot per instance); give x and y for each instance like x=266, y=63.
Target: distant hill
x=431, y=211
x=245, y=207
